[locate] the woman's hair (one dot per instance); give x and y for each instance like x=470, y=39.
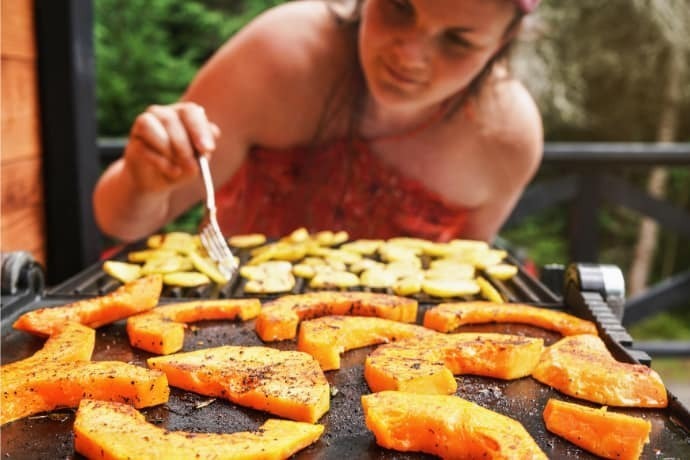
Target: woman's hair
x=350, y=89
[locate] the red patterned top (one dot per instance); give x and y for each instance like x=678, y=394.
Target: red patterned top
x=341, y=186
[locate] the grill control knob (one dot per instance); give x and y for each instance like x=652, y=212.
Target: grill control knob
x=21, y=273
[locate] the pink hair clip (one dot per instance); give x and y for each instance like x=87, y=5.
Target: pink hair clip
x=526, y=6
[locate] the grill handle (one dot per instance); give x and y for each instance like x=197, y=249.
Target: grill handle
x=606, y=280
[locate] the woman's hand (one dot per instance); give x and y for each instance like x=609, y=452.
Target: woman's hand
x=160, y=151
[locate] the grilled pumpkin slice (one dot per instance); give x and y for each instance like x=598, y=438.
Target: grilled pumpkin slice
x=63, y=384
x=606, y=434
x=447, y=426
x=286, y=383
x=446, y=317
x=114, y=431
x=427, y=364
x=582, y=367
x=279, y=318
x=161, y=330
x=132, y=298
x=73, y=342
x=325, y=338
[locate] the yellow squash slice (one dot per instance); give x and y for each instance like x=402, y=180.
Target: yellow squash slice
x=249, y=240
x=185, y=279
x=501, y=271
x=488, y=291
x=122, y=271
x=362, y=246
x=163, y=265
x=181, y=242
x=207, y=267
x=150, y=254
x=450, y=287
x=409, y=285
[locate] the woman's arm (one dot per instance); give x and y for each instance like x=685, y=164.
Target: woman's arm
x=265, y=86
x=134, y=195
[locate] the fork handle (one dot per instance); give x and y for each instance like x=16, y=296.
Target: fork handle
x=208, y=183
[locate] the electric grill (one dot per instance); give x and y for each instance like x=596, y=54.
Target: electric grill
x=585, y=293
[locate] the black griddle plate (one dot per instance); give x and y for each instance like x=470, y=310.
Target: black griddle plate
x=49, y=436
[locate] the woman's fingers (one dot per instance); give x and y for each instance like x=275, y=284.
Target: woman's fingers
x=151, y=132
x=180, y=150
x=163, y=141
x=148, y=162
x=215, y=129
x=199, y=129
x=150, y=147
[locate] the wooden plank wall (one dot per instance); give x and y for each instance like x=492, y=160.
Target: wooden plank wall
x=23, y=221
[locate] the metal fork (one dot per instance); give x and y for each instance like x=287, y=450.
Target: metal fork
x=211, y=236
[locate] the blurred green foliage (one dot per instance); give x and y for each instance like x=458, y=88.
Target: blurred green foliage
x=672, y=325
x=147, y=51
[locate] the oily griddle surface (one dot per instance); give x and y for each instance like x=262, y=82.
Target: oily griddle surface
x=49, y=436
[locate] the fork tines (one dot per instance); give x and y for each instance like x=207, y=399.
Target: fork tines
x=218, y=249
x=211, y=236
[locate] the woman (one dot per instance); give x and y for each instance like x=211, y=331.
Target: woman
x=387, y=120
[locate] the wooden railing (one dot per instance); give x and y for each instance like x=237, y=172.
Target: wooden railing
x=584, y=177
x=587, y=175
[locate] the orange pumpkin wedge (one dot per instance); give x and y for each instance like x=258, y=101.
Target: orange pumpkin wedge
x=63, y=384
x=73, y=342
x=582, y=367
x=447, y=426
x=286, y=383
x=279, y=318
x=603, y=433
x=134, y=297
x=327, y=337
x=427, y=364
x=161, y=330
x=108, y=430
x=446, y=317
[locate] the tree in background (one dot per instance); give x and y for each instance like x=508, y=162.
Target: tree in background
x=613, y=71
x=672, y=21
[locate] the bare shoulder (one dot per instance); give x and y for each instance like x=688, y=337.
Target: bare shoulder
x=285, y=59
x=511, y=125
x=504, y=128
x=295, y=38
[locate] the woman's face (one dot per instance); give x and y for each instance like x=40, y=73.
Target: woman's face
x=415, y=53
